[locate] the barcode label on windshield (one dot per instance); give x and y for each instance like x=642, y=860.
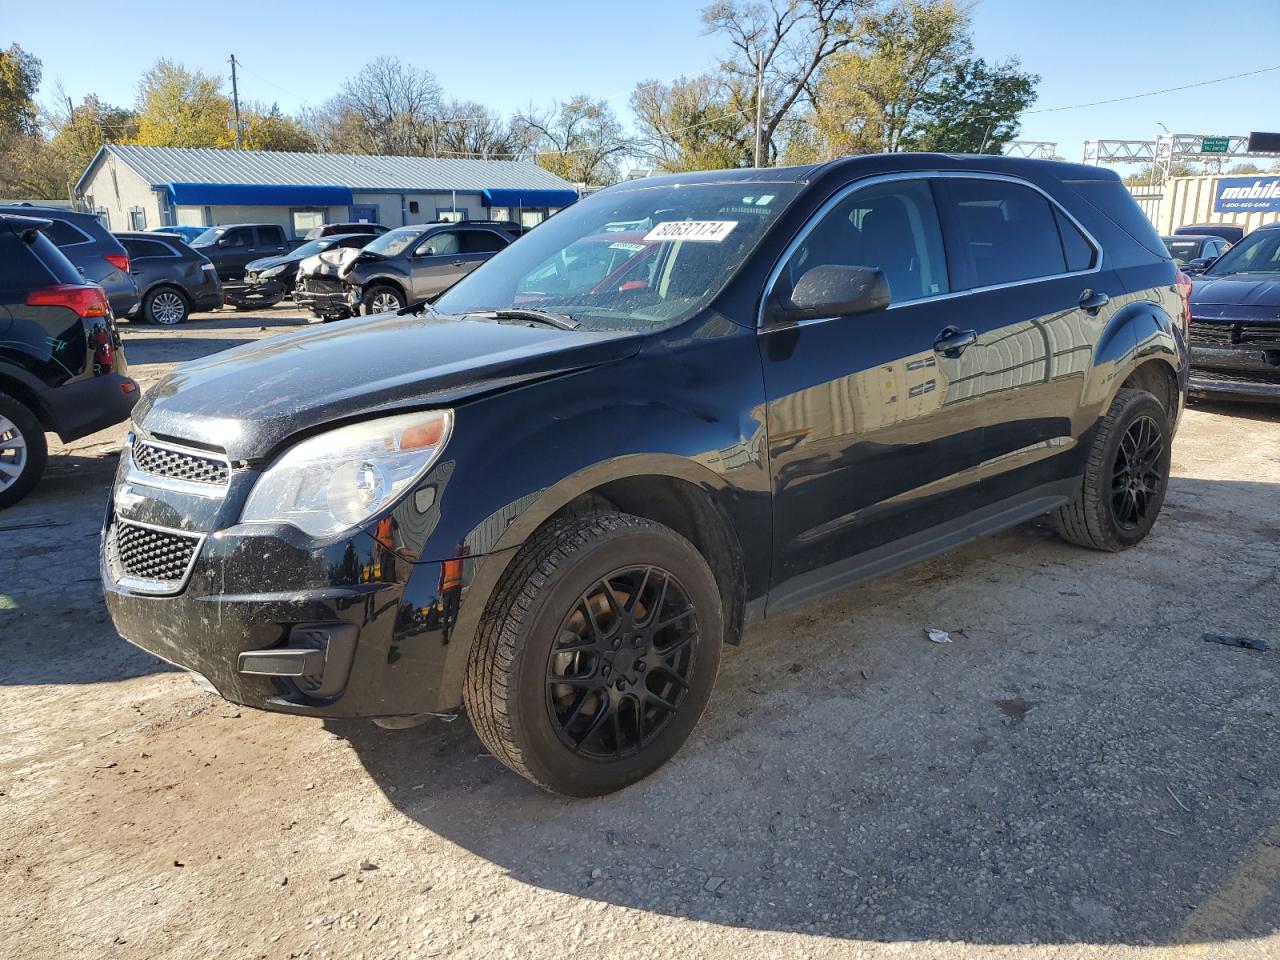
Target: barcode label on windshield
x=709, y=231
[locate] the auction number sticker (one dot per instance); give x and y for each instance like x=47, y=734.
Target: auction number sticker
x=706, y=231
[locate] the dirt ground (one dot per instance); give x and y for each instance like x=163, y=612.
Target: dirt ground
x=1078, y=774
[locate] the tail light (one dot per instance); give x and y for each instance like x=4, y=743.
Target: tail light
x=103, y=356
x=1183, y=283
x=87, y=300
x=118, y=260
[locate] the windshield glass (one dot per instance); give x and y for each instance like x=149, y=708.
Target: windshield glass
x=1257, y=253
x=312, y=247
x=209, y=237
x=393, y=242
x=1182, y=251
x=634, y=258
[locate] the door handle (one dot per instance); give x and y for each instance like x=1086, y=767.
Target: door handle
x=458, y=263
x=1091, y=301
x=953, y=341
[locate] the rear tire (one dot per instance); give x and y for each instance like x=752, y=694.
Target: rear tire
x=166, y=306
x=23, y=451
x=1125, y=479
x=628, y=613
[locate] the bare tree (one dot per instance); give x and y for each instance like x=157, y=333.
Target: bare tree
x=580, y=140
x=792, y=37
x=386, y=108
x=470, y=129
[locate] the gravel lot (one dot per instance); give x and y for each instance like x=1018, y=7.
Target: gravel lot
x=1077, y=775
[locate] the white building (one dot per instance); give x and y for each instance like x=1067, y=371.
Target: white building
x=134, y=188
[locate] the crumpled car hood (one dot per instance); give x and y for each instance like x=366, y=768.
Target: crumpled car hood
x=329, y=264
x=249, y=400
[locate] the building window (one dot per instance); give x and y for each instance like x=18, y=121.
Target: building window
x=499, y=213
x=451, y=214
x=137, y=218
x=413, y=206
x=531, y=218
x=304, y=220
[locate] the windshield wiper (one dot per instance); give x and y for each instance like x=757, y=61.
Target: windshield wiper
x=417, y=307
x=561, y=321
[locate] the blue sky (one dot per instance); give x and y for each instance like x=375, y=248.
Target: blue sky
x=510, y=54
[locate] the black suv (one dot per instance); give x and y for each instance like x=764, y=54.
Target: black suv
x=556, y=493
x=231, y=246
x=91, y=248
x=62, y=366
x=173, y=279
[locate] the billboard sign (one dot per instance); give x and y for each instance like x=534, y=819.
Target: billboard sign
x=1246, y=194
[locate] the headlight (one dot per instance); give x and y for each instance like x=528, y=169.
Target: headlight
x=272, y=271
x=340, y=479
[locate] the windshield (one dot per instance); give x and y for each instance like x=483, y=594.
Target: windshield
x=209, y=237
x=312, y=247
x=393, y=242
x=1257, y=253
x=1182, y=251
x=635, y=258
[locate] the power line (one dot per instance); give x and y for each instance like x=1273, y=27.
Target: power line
x=1155, y=93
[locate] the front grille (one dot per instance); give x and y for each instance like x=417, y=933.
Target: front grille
x=1236, y=376
x=1214, y=334
x=159, y=558
x=184, y=465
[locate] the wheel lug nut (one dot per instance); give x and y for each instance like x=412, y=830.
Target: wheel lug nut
x=640, y=666
x=617, y=642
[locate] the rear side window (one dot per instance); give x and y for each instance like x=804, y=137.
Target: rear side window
x=271, y=234
x=142, y=249
x=66, y=235
x=1077, y=249
x=481, y=241
x=1113, y=199
x=24, y=266
x=1009, y=232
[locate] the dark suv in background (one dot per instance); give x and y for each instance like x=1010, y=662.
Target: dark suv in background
x=421, y=261
x=173, y=279
x=231, y=246
x=90, y=246
x=553, y=495
x=62, y=366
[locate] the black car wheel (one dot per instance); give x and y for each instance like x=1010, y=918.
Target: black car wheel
x=1125, y=479
x=382, y=299
x=596, y=655
x=23, y=451
x=166, y=306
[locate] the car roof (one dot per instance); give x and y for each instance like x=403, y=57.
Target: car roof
x=16, y=221
x=50, y=213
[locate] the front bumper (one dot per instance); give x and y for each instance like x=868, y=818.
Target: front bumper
x=1244, y=371
x=327, y=298
x=254, y=293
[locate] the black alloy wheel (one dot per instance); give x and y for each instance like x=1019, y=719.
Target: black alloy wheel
x=622, y=663
x=1136, y=481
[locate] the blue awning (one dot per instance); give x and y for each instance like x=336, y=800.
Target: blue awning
x=529, y=198
x=258, y=194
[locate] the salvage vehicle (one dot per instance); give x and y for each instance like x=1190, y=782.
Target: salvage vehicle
x=231, y=246
x=1235, y=333
x=91, y=248
x=319, y=287
x=62, y=366
x=421, y=261
x=269, y=280
x=554, y=502
x=1193, y=254
x=172, y=278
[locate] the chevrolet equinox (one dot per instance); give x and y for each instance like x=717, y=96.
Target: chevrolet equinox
x=681, y=405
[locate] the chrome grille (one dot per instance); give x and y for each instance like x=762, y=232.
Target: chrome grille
x=1217, y=333
x=183, y=465
x=151, y=558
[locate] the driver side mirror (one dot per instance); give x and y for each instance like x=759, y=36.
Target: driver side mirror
x=833, y=291
x=427, y=252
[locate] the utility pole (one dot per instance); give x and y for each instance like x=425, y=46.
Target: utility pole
x=759, y=105
x=235, y=99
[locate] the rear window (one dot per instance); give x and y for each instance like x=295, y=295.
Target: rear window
x=1183, y=251
x=65, y=234
x=141, y=249
x=1117, y=204
x=1010, y=231
x=27, y=265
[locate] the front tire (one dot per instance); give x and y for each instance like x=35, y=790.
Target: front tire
x=382, y=299
x=596, y=655
x=165, y=306
x=1125, y=479
x=23, y=451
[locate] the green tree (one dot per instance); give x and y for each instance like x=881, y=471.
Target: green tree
x=20, y=74
x=579, y=139
x=974, y=109
x=270, y=129
x=77, y=135
x=700, y=124
x=178, y=107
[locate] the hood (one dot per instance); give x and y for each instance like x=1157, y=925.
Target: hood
x=249, y=400
x=266, y=263
x=329, y=263
x=1241, y=296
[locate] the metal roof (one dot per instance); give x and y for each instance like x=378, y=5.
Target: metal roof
x=165, y=165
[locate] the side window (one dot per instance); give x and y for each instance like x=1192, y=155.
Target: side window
x=143, y=249
x=239, y=237
x=268, y=236
x=481, y=241
x=1075, y=246
x=65, y=234
x=443, y=244
x=893, y=226
x=1009, y=231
